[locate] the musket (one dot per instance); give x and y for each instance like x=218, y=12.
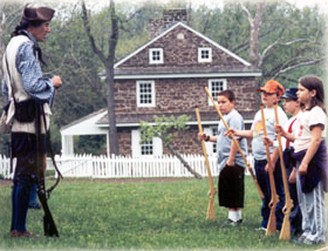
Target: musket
x=49, y=226
x=210, y=208
x=285, y=228
x=250, y=169
x=272, y=223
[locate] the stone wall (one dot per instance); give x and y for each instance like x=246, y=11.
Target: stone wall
x=181, y=50
x=182, y=95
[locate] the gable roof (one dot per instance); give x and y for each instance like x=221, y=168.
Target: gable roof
x=193, y=31
x=86, y=125
x=180, y=60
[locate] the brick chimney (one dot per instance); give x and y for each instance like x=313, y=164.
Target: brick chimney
x=170, y=17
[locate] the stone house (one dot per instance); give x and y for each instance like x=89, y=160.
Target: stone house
x=167, y=76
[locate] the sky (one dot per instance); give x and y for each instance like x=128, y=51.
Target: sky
x=217, y=3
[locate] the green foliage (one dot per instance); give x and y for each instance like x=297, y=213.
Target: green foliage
x=167, y=215
x=165, y=128
x=91, y=144
x=281, y=23
x=69, y=54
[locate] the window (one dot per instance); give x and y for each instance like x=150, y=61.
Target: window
x=210, y=146
x=215, y=86
x=214, y=132
x=147, y=148
x=145, y=93
x=156, y=56
x=204, y=55
x=153, y=147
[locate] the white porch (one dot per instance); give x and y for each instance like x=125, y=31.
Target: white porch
x=84, y=126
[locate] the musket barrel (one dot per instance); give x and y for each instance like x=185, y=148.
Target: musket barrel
x=210, y=209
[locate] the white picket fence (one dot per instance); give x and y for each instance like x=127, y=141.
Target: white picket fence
x=88, y=166
x=5, y=167
x=129, y=167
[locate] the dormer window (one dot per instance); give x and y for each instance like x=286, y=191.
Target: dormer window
x=156, y=56
x=204, y=55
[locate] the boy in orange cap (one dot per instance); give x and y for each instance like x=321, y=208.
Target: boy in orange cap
x=271, y=93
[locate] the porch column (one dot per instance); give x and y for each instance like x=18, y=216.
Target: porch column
x=67, y=145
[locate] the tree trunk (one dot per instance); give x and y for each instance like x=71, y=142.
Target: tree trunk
x=254, y=36
x=185, y=163
x=113, y=141
x=108, y=63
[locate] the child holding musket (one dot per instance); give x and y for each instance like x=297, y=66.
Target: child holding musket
x=310, y=154
x=270, y=95
x=292, y=106
x=230, y=163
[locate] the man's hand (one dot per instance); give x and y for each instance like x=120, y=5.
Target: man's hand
x=56, y=81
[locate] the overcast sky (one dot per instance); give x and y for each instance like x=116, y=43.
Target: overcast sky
x=299, y=3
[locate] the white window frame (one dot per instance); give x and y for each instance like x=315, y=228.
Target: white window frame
x=205, y=60
x=210, y=87
x=161, y=56
x=153, y=94
x=136, y=144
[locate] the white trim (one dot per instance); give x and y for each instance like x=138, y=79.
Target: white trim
x=210, y=81
x=161, y=56
x=135, y=143
x=190, y=29
x=191, y=75
x=204, y=60
x=85, y=126
x=153, y=94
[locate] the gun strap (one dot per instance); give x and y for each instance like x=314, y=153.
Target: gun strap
x=51, y=152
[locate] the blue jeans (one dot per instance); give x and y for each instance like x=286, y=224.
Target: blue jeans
x=20, y=200
x=33, y=201
x=264, y=183
x=25, y=176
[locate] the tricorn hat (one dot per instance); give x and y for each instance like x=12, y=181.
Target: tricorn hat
x=42, y=14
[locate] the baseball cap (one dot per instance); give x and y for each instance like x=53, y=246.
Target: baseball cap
x=272, y=86
x=290, y=94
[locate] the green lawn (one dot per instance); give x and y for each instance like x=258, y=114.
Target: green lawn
x=96, y=214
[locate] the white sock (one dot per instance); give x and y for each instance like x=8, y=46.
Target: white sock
x=232, y=215
x=239, y=214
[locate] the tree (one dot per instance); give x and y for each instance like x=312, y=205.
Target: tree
x=166, y=129
x=285, y=42
x=281, y=50
x=108, y=63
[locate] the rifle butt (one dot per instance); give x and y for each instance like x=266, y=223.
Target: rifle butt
x=210, y=215
x=272, y=223
x=49, y=226
x=285, y=229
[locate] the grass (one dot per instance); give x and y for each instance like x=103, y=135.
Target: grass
x=99, y=215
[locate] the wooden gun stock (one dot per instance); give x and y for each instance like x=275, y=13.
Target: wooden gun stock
x=285, y=228
x=272, y=223
x=236, y=143
x=49, y=225
x=210, y=208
